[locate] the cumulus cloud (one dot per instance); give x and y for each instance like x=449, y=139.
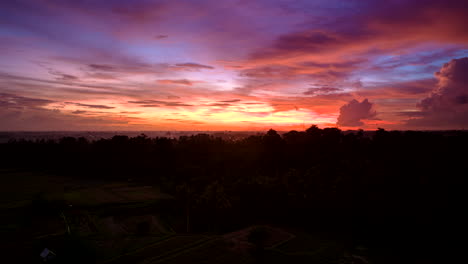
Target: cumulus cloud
x=447, y=105
x=353, y=112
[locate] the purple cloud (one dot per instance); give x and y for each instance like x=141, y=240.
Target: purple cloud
x=91, y=105
x=447, y=105
x=193, y=66
x=321, y=90
x=353, y=112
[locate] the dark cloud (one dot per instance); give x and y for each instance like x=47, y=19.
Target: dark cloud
x=140, y=12
x=220, y=104
x=175, y=104
x=323, y=72
x=27, y=113
x=193, y=66
x=102, y=67
x=15, y=101
x=321, y=90
x=143, y=102
x=91, y=105
x=180, y=81
x=341, y=65
x=156, y=103
x=447, y=20
x=230, y=101
x=77, y=112
x=371, y=31
x=410, y=114
x=447, y=105
x=273, y=71
x=353, y=112
x=22, y=82
x=252, y=103
x=161, y=36
x=41, y=119
x=94, y=92
x=102, y=76
x=63, y=76
x=132, y=67
x=130, y=112
x=307, y=41
x=108, y=61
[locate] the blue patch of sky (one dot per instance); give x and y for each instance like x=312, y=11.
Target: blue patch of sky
x=161, y=53
x=54, y=31
x=461, y=53
x=415, y=65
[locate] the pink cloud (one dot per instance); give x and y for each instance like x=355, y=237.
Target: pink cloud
x=180, y=82
x=321, y=90
x=352, y=113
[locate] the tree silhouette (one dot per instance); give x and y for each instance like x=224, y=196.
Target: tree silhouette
x=376, y=185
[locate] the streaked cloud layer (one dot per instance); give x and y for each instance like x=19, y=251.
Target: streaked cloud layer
x=233, y=65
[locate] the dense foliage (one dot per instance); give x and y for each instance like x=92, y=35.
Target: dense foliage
x=388, y=187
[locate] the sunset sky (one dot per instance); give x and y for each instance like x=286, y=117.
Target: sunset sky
x=233, y=65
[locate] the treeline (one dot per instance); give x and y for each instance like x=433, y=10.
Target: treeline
x=393, y=187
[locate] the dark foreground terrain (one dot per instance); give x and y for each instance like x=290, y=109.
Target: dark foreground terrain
x=317, y=196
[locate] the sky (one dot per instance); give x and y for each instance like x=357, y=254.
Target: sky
x=233, y=65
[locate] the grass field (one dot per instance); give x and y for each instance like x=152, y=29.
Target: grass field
x=32, y=204
x=106, y=216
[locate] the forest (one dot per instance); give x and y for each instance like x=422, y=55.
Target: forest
x=384, y=189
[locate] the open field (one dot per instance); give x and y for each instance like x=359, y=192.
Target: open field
x=37, y=209
x=105, y=217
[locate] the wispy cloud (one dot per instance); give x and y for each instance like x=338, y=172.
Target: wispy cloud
x=156, y=103
x=91, y=105
x=180, y=82
x=192, y=66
